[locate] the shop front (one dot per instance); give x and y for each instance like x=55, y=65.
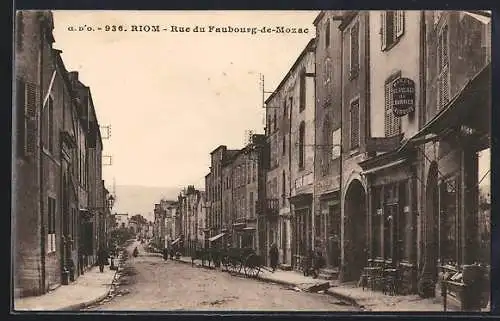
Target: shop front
x=301, y=228
x=392, y=219
x=451, y=143
x=327, y=229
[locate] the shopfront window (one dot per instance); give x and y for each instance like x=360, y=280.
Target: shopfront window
x=448, y=220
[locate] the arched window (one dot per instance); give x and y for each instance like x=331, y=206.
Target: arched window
x=302, y=132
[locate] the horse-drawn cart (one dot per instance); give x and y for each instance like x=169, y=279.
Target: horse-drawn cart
x=233, y=260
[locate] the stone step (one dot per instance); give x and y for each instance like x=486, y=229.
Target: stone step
x=285, y=267
x=328, y=274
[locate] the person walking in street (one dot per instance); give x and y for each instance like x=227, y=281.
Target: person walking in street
x=101, y=258
x=273, y=256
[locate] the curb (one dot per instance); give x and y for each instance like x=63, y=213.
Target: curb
x=350, y=300
x=346, y=298
x=83, y=305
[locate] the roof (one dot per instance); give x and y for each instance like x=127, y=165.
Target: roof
x=219, y=147
x=308, y=48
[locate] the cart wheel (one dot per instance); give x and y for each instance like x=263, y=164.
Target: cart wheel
x=252, y=271
x=225, y=263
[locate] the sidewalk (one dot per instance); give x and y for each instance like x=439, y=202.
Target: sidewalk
x=366, y=300
x=87, y=289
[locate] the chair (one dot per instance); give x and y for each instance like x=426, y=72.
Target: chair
x=390, y=282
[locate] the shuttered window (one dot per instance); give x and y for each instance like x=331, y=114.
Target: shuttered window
x=26, y=102
x=302, y=133
x=354, y=123
x=327, y=33
x=354, y=52
x=392, y=26
x=392, y=124
x=443, y=81
x=302, y=96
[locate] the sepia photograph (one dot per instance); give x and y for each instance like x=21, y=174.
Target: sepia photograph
x=210, y=161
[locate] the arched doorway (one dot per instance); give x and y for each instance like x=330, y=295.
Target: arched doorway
x=431, y=232
x=355, y=231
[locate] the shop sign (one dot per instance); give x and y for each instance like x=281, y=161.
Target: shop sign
x=403, y=96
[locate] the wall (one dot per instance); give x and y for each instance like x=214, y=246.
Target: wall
x=403, y=57
x=26, y=222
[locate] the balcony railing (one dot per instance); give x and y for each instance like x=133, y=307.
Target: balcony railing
x=271, y=206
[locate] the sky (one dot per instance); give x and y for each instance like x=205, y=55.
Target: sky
x=171, y=98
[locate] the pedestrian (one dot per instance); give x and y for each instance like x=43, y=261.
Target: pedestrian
x=273, y=256
x=101, y=258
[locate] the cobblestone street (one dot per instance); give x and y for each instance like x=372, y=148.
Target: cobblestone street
x=150, y=283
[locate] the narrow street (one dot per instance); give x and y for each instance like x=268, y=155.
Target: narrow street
x=150, y=283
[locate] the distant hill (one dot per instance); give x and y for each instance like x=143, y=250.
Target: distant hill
x=141, y=199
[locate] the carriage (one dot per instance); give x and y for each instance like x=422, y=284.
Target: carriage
x=233, y=260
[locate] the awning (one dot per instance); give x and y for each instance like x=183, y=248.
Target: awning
x=176, y=240
x=470, y=107
x=302, y=198
x=218, y=236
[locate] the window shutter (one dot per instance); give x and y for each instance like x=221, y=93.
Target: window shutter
x=355, y=124
x=400, y=22
x=383, y=31
x=388, y=111
x=31, y=128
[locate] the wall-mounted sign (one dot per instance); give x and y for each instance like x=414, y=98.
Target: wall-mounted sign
x=403, y=96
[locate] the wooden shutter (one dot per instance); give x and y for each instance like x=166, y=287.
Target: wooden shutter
x=355, y=47
x=383, y=30
x=388, y=110
x=399, y=17
x=31, y=127
x=354, y=124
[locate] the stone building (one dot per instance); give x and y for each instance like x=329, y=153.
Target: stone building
x=327, y=168
x=244, y=185
x=290, y=136
x=213, y=188
x=201, y=220
x=50, y=176
x=456, y=128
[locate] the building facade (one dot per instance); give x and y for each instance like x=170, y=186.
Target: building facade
x=328, y=113
x=456, y=128
x=51, y=170
x=290, y=136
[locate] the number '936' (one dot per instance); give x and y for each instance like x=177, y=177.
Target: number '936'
x=114, y=28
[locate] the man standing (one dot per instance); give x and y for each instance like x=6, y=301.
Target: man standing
x=273, y=256
x=101, y=258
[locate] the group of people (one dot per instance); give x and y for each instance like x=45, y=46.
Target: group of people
x=310, y=264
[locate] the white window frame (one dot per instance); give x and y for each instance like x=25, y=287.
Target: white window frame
x=398, y=32
x=336, y=141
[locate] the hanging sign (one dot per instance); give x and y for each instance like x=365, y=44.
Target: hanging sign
x=403, y=96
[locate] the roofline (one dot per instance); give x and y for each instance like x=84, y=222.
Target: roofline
x=319, y=17
x=308, y=48
x=216, y=149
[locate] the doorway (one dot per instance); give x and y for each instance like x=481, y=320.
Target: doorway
x=355, y=232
